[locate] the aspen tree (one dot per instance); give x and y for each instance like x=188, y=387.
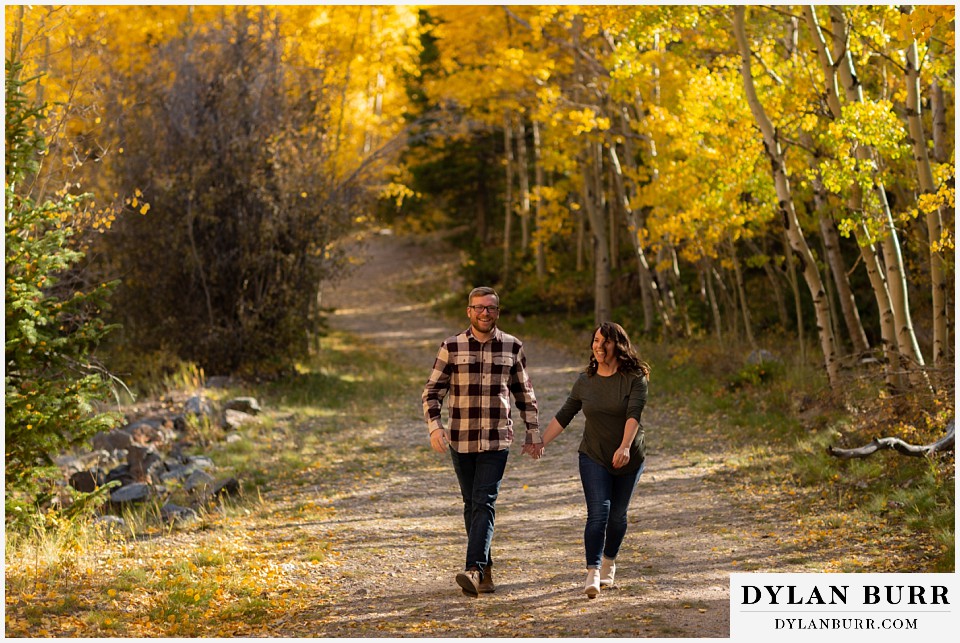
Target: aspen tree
x=934, y=218
x=909, y=351
x=871, y=260
x=782, y=182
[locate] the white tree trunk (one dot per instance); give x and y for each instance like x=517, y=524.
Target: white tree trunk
x=934, y=218
x=878, y=281
x=541, y=261
x=782, y=184
x=524, y=176
x=508, y=198
x=909, y=350
x=598, y=227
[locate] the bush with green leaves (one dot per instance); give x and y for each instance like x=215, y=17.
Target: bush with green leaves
x=53, y=322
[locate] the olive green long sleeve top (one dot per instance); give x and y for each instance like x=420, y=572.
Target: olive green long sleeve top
x=607, y=403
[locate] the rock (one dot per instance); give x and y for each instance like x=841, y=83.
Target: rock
x=174, y=473
x=132, y=493
x=69, y=464
x=112, y=441
x=198, y=479
x=233, y=437
x=233, y=420
x=176, y=514
x=228, y=487
x=220, y=381
x=110, y=525
x=87, y=481
x=155, y=470
x=98, y=459
x=141, y=458
x=155, y=430
x=121, y=473
x=198, y=406
x=198, y=462
x=245, y=404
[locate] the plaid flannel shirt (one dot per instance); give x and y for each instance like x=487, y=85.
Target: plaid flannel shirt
x=480, y=377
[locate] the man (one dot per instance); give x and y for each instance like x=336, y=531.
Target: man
x=480, y=368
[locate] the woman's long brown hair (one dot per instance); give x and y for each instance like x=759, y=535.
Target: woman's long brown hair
x=622, y=347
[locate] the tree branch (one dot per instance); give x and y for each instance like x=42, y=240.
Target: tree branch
x=946, y=443
x=595, y=65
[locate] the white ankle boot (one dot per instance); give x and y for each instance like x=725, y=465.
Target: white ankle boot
x=592, y=585
x=608, y=569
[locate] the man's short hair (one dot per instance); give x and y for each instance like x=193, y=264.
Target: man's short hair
x=482, y=291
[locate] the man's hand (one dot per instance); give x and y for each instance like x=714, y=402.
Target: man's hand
x=439, y=440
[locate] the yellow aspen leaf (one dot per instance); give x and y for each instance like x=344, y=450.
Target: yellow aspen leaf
x=145, y=208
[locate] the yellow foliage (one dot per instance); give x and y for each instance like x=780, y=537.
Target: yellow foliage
x=83, y=55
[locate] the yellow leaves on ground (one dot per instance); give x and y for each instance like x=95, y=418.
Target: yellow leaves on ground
x=218, y=582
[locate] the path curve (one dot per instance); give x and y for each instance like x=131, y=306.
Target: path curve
x=402, y=539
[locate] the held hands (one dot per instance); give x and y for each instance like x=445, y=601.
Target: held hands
x=533, y=444
x=535, y=451
x=621, y=457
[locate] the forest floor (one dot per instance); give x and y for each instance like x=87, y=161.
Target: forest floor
x=401, y=537
x=361, y=533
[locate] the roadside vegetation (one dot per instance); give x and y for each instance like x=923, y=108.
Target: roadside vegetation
x=219, y=575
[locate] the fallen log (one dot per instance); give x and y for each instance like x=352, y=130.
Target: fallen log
x=946, y=443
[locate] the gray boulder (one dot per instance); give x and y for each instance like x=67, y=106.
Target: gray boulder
x=198, y=406
x=172, y=513
x=233, y=419
x=131, y=493
x=228, y=487
x=244, y=404
x=112, y=441
x=198, y=480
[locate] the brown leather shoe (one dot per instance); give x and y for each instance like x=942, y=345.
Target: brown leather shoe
x=486, y=585
x=470, y=581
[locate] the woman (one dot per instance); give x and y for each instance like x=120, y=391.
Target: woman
x=612, y=393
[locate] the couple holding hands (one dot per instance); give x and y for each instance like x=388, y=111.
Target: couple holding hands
x=476, y=372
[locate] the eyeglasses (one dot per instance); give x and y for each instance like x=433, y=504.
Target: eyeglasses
x=490, y=309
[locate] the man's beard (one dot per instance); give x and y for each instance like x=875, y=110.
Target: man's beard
x=476, y=325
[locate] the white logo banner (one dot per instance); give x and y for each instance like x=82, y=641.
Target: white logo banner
x=843, y=607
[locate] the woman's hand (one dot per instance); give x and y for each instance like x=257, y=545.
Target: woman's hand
x=621, y=457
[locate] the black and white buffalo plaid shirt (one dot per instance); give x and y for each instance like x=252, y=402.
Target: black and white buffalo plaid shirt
x=479, y=378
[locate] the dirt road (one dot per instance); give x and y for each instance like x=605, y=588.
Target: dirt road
x=402, y=539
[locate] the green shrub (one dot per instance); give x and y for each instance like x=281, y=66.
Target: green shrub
x=52, y=325
x=757, y=374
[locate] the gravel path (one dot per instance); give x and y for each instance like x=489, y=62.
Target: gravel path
x=402, y=539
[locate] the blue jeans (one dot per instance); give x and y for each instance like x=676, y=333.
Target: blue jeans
x=608, y=497
x=479, y=475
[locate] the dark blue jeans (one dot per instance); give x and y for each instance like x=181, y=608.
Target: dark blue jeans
x=608, y=497
x=479, y=475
